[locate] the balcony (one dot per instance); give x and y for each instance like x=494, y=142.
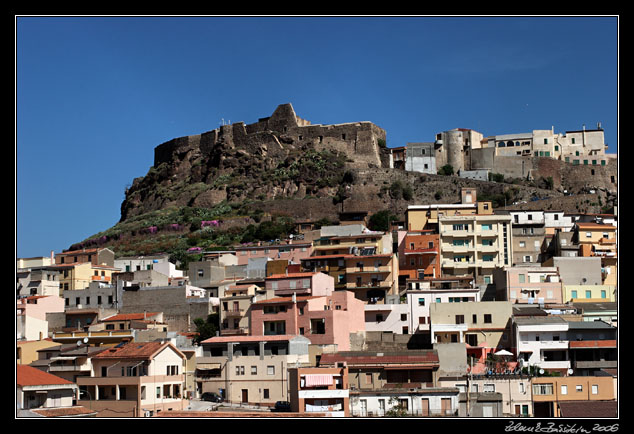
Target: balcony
x=369, y=269
x=234, y=312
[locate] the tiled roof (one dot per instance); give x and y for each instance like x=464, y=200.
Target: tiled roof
x=591, y=409
x=374, y=359
x=63, y=411
x=132, y=350
x=291, y=275
x=130, y=316
x=30, y=376
x=268, y=338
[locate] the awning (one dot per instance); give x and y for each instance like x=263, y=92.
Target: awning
x=318, y=380
x=207, y=366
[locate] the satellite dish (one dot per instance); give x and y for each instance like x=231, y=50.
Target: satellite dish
x=79, y=343
x=541, y=371
x=570, y=371
x=86, y=340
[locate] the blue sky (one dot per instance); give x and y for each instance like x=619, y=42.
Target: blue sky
x=95, y=95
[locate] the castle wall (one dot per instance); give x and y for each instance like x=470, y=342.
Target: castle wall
x=358, y=139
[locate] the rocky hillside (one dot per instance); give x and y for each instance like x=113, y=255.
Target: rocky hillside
x=241, y=183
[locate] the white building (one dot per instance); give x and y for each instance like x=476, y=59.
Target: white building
x=542, y=342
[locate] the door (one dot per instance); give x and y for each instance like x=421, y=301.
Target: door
x=245, y=396
x=445, y=406
x=424, y=407
x=364, y=407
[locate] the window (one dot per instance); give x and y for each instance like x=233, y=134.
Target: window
x=158, y=391
x=266, y=393
x=489, y=387
x=579, y=388
x=588, y=294
x=543, y=389
x=459, y=319
x=564, y=389
x=573, y=293
x=421, y=301
x=474, y=318
x=254, y=370
x=522, y=278
x=595, y=389
x=403, y=317
x=239, y=370
x=270, y=370
x=487, y=318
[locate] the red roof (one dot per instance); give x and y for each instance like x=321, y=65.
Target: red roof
x=291, y=275
x=267, y=338
x=30, y=376
x=133, y=350
x=130, y=316
x=367, y=359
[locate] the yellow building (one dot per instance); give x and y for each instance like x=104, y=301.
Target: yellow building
x=27, y=350
x=596, y=239
x=372, y=277
x=475, y=244
x=549, y=392
x=589, y=293
x=75, y=276
x=425, y=217
x=365, y=243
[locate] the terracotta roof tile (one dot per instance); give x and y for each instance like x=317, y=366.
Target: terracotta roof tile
x=30, y=376
x=132, y=350
x=592, y=409
x=291, y=275
x=428, y=357
x=130, y=316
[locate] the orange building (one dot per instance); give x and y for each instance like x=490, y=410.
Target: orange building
x=419, y=253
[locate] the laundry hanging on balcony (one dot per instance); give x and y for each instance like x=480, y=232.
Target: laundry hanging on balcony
x=318, y=380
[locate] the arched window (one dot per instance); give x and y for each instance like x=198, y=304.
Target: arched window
x=509, y=143
x=501, y=145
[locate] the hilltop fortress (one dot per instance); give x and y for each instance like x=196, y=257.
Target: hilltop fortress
x=273, y=137
x=284, y=156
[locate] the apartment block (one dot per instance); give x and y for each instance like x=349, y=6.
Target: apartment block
x=135, y=380
x=530, y=285
x=475, y=244
x=319, y=390
x=325, y=320
x=549, y=393
x=484, y=326
x=250, y=369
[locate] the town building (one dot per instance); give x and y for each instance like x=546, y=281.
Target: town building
x=250, y=369
x=484, y=326
x=542, y=343
x=40, y=394
x=319, y=390
x=528, y=284
x=138, y=379
x=550, y=393
x=325, y=320
x=394, y=383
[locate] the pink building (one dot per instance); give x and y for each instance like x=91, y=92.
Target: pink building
x=325, y=320
x=308, y=283
x=530, y=285
x=38, y=306
x=291, y=252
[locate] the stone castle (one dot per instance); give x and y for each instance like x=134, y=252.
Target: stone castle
x=271, y=136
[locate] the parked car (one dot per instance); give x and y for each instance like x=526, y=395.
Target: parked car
x=211, y=396
x=282, y=406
